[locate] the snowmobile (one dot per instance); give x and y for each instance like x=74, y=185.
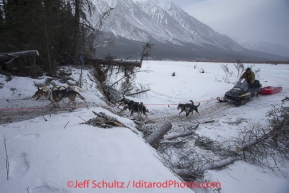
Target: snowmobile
x=242, y=92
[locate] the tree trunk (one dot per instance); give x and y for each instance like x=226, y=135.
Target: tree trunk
x=115, y=62
x=259, y=139
x=46, y=36
x=154, y=138
x=76, y=32
x=217, y=165
x=14, y=55
x=212, y=166
x=173, y=136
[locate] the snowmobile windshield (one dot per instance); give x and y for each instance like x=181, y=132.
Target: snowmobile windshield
x=241, y=84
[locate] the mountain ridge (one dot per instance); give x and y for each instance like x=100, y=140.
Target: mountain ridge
x=167, y=25
x=266, y=47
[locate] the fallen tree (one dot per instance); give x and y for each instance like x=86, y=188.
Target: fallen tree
x=123, y=69
x=157, y=135
x=115, y=62
x=13, y=55
x=184, y=134
x=19, y=63
x=257, y=140
x=188, y=175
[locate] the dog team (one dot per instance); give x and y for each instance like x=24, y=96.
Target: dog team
x=57, y=93
x=133, y=107
x=139, y=107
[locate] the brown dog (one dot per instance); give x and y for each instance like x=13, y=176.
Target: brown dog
x=55, y=96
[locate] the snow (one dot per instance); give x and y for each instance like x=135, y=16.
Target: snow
x=142, y=1
x=47, y=151
x=247, y=178
x=44, y=158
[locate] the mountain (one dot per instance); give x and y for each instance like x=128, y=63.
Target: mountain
x=266, y=47
x=173, y=33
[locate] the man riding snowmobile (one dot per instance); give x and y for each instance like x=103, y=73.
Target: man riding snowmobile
x=244, y=90
x=249, y=76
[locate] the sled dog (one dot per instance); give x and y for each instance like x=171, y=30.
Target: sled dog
x=55, y=95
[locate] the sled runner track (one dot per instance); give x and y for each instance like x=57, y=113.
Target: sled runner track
x=18, y=111
x=215, y=110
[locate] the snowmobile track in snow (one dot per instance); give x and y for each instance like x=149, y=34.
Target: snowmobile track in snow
x=207, y=111
x=18, y=111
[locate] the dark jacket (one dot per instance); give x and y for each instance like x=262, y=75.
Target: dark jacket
x=249, y=77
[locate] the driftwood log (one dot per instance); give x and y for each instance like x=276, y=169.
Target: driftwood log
x=115, y=62
x=210, y=166
x=218, y=164
x=14, y=55
x=157, y=135
x=184, y=134
x=174, y=136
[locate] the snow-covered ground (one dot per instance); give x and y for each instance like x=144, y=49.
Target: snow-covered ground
x=49, y=150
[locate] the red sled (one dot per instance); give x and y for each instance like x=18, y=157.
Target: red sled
x=270, y=90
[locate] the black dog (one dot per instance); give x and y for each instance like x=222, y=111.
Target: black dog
x=127, y=103
x=139, y=108
x=192, y=107
x=133, y=106
x=188, y=108
x=183, y=107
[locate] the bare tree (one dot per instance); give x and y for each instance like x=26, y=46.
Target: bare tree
x=146, y=51
x=227, y=72
x=240, y=67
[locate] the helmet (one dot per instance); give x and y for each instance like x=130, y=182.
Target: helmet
x=248, y=69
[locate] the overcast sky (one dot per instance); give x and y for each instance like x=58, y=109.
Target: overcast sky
x=252, y=20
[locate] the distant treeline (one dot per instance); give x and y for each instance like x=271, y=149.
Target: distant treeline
x=239, y=61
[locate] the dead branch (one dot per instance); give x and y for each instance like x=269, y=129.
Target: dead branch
x=7, y=162
x=142, y=91
x=285, y=100
x=206, y=122
x=66, y=125
x=81, y=118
